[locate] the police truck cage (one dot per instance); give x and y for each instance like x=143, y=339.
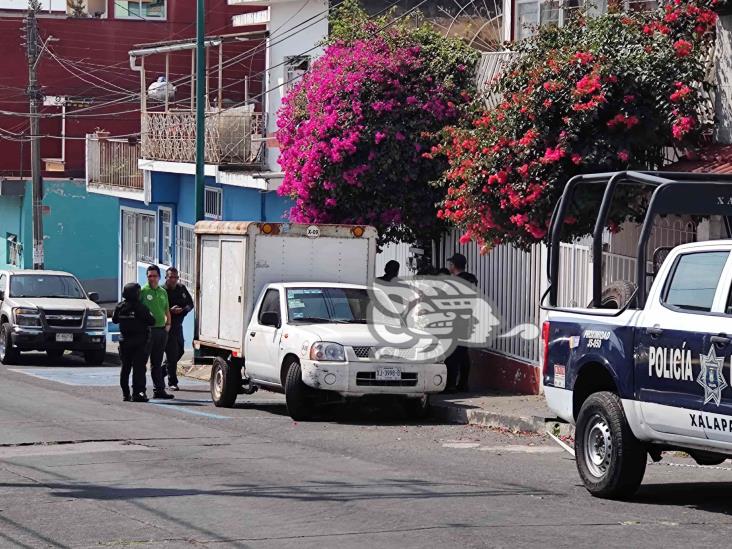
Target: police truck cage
x=696, y=194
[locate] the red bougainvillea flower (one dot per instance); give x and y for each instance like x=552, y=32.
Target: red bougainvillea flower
x=683, y=48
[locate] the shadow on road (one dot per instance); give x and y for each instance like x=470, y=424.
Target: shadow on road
x=704, y=496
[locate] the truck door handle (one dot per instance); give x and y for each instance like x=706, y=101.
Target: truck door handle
x=654, y=331
x=252, y=334
x=720, y=340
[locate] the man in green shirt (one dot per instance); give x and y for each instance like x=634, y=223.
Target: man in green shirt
x=155, y=298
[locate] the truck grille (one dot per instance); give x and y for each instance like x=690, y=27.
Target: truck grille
x=64, y=319
x=409, y=379
x=362, y=351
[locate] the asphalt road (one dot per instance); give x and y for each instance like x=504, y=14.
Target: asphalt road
x=81, y=468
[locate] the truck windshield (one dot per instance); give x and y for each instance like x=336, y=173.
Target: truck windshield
x=45, y=286
x=345, y=305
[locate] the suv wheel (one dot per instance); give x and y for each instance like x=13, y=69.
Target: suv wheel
x=225, y=383
x=95, y=358
x=8, y=355
x=610, y=460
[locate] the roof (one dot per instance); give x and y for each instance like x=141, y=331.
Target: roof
x=711, y=159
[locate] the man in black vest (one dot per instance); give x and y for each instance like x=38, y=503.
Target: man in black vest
x=458, y=363
x=181, y=303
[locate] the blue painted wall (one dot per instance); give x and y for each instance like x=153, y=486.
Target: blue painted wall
x=81, y=232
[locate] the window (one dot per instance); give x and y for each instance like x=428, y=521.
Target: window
x=166, y=236
x=56, y=286
x=146, y=238
x=532, y=13
x=295, y=67
x=694, y=281
x=184, y=256
x=270, y=303
x=139, y=9
x=344, y=305
x=13, y=250
x=213, y=203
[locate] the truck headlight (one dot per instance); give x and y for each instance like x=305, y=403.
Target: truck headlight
x=96, y=319
x=324, y=350
x=27, y=317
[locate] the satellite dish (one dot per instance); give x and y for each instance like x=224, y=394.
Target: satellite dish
x=158, y=90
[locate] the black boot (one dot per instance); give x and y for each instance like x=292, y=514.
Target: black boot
x=162, y=395
x=140, y=397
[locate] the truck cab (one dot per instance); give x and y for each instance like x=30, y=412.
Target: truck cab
x=652, y=371
x=283, y=307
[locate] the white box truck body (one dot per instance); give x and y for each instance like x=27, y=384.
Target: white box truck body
x=283, y=306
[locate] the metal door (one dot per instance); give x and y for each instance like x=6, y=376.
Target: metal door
x=231, y=314
x=210, y=288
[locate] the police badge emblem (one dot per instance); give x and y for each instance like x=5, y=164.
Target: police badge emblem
x=711, y=376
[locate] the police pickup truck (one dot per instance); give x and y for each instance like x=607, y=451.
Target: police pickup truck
x=647, y=366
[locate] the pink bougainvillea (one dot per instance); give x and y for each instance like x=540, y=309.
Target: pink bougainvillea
x=353, y=131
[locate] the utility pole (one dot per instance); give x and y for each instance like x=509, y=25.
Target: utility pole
x=200, y=108
x=35, y=97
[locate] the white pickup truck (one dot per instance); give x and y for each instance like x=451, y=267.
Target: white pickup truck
x=284, y=307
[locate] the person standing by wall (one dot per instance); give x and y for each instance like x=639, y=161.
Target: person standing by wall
x=391, y=271
x=458, y=363
x=155, y=298
x=181, y=303
x=134, y=321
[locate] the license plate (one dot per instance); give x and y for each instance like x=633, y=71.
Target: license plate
x=388, y=374
x=64, y=338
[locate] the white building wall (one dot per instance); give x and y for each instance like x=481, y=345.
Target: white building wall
x=47, y=5
x=310, y=24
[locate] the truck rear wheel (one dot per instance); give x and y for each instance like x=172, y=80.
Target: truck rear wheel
x=8, y=355
x=299, y=397
x=610, y=460
x=225, y=383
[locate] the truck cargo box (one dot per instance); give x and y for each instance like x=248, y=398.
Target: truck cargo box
x=235, y=260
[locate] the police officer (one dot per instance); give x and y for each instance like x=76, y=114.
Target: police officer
x=458, y=363
x=181, y=303
x=134, y=321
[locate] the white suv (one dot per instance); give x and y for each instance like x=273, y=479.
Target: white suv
x=49, y=311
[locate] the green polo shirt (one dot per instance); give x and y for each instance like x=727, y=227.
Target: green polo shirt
x=157, y=301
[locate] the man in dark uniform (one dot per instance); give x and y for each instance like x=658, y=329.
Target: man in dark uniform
x=391, y=271
x=458, y=363
x=181, y=303
x=134, y=321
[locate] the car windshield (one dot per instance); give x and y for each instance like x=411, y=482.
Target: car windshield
x=342, y=305
x=38, y=285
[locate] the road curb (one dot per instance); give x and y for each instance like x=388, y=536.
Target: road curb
x=465, y=415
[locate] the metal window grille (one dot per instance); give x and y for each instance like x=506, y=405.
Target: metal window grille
x=166, y=236
x=14, y=248
x=295, y=67
x=145, y=237
x=213, y=203
x=184, y=254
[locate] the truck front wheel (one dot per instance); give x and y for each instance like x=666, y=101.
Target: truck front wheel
x=299, y=397
x=610, y=460
x=8, y=355
x=225, y=383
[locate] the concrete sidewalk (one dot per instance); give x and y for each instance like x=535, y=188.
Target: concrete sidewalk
x=515, y=413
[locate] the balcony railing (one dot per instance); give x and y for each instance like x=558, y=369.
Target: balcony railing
x=490, y=67
x=233, y=137
x=112, y=164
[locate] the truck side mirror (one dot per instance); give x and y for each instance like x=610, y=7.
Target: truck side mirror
x=94, y=296
x=270, y=318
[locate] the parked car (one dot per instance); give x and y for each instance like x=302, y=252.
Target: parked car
x=49, y=311
x=283, y=307
x=645, y=368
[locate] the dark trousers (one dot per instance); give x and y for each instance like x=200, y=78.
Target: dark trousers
x=173, y=352
x=156, y=348
x=133, y=354
x=458, y=369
